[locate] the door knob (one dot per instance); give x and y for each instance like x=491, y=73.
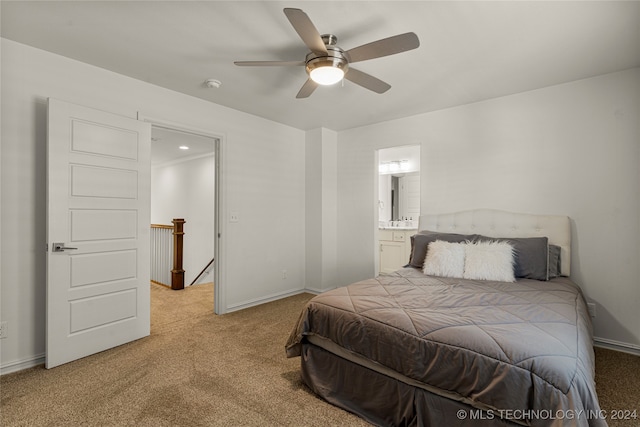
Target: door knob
x=60, y=247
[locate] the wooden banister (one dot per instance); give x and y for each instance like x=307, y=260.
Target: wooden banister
x=177, y=273
x=162, y=226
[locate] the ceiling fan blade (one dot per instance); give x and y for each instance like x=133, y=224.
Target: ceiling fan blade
x=268, y=63
x=383, y=47
x=307, y=89
x=367, y=81
x=306, y=30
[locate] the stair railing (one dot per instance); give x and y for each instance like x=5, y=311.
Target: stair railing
x=202, y=272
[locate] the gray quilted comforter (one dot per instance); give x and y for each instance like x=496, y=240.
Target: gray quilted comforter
x=520, y=350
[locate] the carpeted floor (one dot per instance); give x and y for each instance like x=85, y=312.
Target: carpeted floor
x=200, y=369
x=618, y=387
x=195, y=369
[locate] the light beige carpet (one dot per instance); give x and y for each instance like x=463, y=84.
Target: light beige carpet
x=200, y=369
x=195, y=369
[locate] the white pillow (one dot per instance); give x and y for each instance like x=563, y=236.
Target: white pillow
x=444, y=259
x=491, y=260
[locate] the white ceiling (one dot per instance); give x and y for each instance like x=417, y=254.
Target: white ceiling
x=470, y=51
x=166, y=143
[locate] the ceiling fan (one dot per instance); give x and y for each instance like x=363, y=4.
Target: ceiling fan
x=327, y=63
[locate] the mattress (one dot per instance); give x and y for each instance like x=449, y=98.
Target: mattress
x=521, y=352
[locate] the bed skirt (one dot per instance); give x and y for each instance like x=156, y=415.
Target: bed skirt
x=383, y=400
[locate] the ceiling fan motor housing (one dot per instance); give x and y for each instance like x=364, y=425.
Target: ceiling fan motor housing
x=335, y=56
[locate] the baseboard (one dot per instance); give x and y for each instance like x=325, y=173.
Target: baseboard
x=19, y=365
x=617, y=345
x=268, y=298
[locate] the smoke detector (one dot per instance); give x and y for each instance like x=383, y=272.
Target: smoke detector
x=213, y=83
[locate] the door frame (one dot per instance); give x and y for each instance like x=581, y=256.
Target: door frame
x=219, y=231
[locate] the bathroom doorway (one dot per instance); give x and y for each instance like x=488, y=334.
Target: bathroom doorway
x=398, y=205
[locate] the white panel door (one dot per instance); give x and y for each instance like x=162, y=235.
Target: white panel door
x=410, y=196
x=98, y=210
x=412, y=182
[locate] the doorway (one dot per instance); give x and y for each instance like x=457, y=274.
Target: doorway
x=182, y=186
x=186, y=184
x=398, y=207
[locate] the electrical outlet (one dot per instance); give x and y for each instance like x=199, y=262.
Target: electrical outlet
x=284, y=274
x=592, y=309
x=4, y=331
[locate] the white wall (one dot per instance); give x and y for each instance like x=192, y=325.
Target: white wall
x=263, y=181
x=321, y=210
x=185, y=189
x=571, y=149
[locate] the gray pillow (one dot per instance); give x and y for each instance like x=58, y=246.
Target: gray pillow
x=530, y=256
x=554, y=261
x=420, y=243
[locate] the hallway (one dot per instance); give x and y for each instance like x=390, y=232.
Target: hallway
x=170, y=308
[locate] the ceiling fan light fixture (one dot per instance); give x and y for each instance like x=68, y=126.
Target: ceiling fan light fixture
x=327, y=70
x=326, y=75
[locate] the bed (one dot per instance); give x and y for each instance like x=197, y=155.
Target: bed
x=458, y=349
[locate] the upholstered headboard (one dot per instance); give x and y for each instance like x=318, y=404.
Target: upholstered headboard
x=495, y=223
